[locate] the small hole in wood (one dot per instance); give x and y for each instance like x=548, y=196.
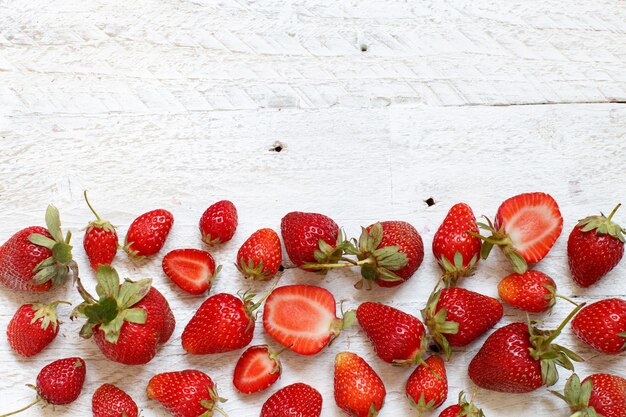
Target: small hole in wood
x=363, y=47
x=281, y=268
x=277, y=147
x=430, y=201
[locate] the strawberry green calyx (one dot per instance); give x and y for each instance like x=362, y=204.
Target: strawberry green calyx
x=339, y=325
x=47, y=313
x=98, y=223
x=453, y=271
x=330, y=254
x=211, y=404
x=373, y=412
x=603, y=225
x=57, y=267
x=437, y=324
x=114, y=306
x=501, y=239
x=551, y=354
x=251, y=270
x=577, y=396
x=468, y=409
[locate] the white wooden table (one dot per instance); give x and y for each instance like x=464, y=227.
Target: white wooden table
x=377, y=105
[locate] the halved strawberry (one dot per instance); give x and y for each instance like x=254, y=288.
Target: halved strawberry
x=526, y=227
x=193, y=270
x=303, y=318
x=257, y=369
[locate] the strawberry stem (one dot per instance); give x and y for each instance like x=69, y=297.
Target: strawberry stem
x=562, y=297
x=219, y=410
x=559, y=329
x=608, y=219
x=90, y=207
x=23, y=408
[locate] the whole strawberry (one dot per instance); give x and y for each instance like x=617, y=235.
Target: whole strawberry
x=359, y=391
x=260, y=256
x=188, y=393
x=525, y=228
x=598, y=395
x=110, y=401
x=192, y=270
x=456, y=250
x=222, y=323
x=462, y=409
x=257, y=368
x=295, y=400
x=148, y=232
x=427, y=387
x=595, y=246
x=129, y=321
x=398, y=337
x=311, y=238
x=33, y=327
x=532, y=291
x=218, y=222
x=456, y=317
x=100, y=241
x=58, y=383
x=519, y=358
x=35, y=259
x=602, y=325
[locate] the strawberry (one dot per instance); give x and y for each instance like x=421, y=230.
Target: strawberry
x=311, y=238
x=260, y=256
x=147, y=233
x=222, y=323
x=359, y=391
x=129, y=321
x=295, y=400
x=188, y=393
x=36, y=259
x=100, y=241
x=519, y=358
x=526, y=227
x=427, y=387
x=303, y=318
x=397, y=337
x=457, y=251
x=218, y=223
x=58, y=383
x=602, y=325
x=532, y=291
x=33, y=327
x=110, y=401
x=598, y=395
x=456, y=317
x=193, y=270
x=462, y=409
x=595, y=246
x=257, y=368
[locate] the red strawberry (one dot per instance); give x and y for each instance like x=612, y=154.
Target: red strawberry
x=303, y=318
x=532, y=291
x=462, y=409
x=519, y=358
x=359, y=391
x=147, y=233
x=526, y=227
x=100, y=241
x=187, y=393
x=595, y=247
x=257, y=368
x=602, y=325
x=295, y=400
x=129, y=321
x=599, y=395
x=35, y=259
x=193, y=270
x=110, y=401
x=58, y=383
x=218, y=223
x=260, y=256
x=397, y=337
x=456, y=317
x=427, y=387
x=311, y=238
x=33, y=327
x=222, y=323
x=457, y=251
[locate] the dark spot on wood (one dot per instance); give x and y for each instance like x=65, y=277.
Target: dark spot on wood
x=281, y=268
x=430, y=201
x=277, y=147
x=363, y=47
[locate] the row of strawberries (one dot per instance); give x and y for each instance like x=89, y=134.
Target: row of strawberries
x=129, y=321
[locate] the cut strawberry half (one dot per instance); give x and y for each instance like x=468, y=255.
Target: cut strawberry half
x=303, y=318
x=193, y=270
x=526, y=227
x=257, y=369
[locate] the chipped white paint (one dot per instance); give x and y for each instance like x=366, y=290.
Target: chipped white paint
x=176, y=104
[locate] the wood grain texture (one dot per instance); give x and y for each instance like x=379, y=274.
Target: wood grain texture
x=177, y=104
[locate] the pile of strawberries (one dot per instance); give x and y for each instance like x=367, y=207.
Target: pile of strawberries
x=130, y=320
